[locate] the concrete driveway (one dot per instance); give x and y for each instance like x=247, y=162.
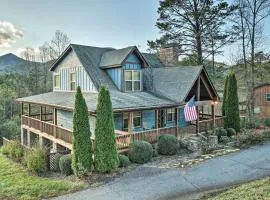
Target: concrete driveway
x=154, y=183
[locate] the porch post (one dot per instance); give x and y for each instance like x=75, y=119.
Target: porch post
x=54, y=121
x=197, y=108
x=29, y=113
x=40, y=119
x=213, y=115
x=156, y=118
x=21, y=109
x=130, y=122
x=177, y=121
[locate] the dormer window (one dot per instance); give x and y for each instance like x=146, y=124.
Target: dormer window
x=73, y=81
x=132, y=80
x=57, y=81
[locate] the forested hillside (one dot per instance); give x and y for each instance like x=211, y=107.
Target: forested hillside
x=24, y=76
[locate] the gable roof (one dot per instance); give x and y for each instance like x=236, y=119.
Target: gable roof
x=117, y=57
x=175, y=83
x=89, y=57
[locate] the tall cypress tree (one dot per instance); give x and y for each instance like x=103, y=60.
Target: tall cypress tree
x=232, y=104
x=225, y=96
x=106, y=158
x=81, y=143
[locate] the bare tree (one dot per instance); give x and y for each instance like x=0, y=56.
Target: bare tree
x=57, y=45
x=256, y=12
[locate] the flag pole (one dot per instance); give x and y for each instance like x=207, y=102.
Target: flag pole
x=197, y=107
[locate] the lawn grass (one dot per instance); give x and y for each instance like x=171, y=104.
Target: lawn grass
x=17, y=183
x=259, y=189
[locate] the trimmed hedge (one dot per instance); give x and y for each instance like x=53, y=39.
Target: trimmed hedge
x=36, y=161
x=140, y=152
x=221, y=132
x=65, y=164
x=123, y=160
x=167, y=145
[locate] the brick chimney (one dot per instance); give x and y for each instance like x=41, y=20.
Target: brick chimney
x=169, y=55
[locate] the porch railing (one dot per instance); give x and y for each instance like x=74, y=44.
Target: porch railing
x=208, y=124
x=123, y=139
x=48, y=128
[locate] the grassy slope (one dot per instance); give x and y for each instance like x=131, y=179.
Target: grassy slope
x=16, y=183
x=259, y=189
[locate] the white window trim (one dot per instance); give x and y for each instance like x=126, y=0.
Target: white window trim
x=172, y=111
x=266, y=98
x=125, y=116
x=140, y=120
x=132, y=81
x=56, y=74
x=73, y=81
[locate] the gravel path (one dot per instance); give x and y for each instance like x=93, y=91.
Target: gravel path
x=149, y=183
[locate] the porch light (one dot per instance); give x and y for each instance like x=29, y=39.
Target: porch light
x=214, y=102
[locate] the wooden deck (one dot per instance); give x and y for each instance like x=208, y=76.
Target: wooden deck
x=63, y=136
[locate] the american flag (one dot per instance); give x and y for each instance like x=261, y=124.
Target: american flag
x=190, y=110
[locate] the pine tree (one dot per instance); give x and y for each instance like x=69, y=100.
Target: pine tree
x=81, y=143
x=232, y=104
x=225, y=96
x=106, y=158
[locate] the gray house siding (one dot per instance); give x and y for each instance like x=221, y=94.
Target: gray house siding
x=65, y=120
x=116, y=76
x=71, y=64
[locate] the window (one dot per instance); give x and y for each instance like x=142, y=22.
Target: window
x=170, y=114
x=267, y=97
x=133, y=80
x=57, y=81
x=73, y=81
x=137, y=120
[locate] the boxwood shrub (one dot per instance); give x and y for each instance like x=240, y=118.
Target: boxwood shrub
x=65, y=164
x=140, y=152
x=167, y=145
x=123, y=160
x=221, y=132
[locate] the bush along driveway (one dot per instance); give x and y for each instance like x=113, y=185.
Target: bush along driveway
x=157, y=183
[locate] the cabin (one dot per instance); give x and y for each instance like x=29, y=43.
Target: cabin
x=262, y=100
x=148, y=94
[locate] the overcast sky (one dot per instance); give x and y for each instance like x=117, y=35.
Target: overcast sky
x=105, y=23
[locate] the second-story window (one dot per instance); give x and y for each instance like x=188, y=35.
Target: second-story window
x=57, y=81
x=73, y=81
x=133, y=80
